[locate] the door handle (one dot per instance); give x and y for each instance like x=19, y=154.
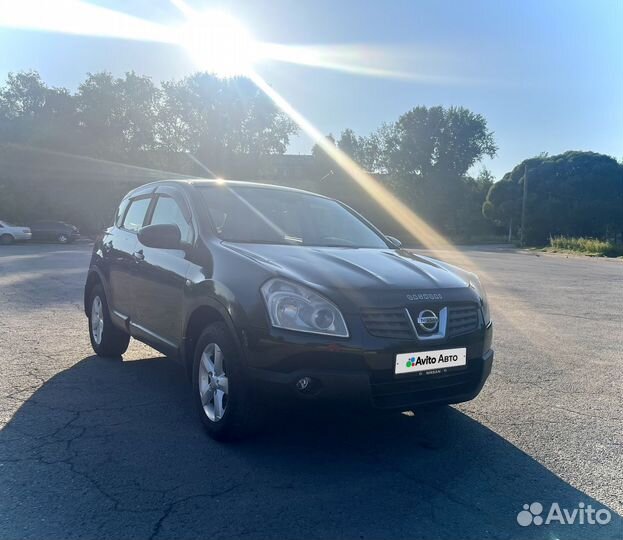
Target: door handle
x=138, y=256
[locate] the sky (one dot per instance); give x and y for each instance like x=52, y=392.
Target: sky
x=546, y=75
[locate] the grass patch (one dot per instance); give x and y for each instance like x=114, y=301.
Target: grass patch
x=585, y=246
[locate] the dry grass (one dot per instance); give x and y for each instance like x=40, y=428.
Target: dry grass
x=586, y=246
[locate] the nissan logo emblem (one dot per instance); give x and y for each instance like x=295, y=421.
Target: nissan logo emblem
x=427, y=320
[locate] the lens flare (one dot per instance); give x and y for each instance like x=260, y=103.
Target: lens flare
x=218, y=43
x=80, y=18
x=415, y=226
x=364, y=60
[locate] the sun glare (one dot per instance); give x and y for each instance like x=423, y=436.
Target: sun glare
x=218, y=43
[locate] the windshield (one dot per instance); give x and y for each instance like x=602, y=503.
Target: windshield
x=274, y=216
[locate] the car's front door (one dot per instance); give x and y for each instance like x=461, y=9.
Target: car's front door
x=161, y=275
x=119, y=248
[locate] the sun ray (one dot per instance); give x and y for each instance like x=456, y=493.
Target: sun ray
x=433, y=241
x=359, y=59
x=81, y=18
x=216, y=41
x=184, y=8
x=415, y=226
x=78, y=17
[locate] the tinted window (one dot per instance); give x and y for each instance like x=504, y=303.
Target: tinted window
x=135, y=215
x=262, y=215
x=168, y=212
x=121, y=211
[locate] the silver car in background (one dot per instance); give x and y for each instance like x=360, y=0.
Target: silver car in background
x=13, y=233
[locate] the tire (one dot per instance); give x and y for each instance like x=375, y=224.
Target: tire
x=106, y=339
x=6, y=239
x=62, y=238
x=239, y=413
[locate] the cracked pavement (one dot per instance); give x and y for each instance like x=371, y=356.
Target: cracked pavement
x=98, y=448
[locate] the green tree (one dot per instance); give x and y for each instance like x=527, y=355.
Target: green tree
x=323, y=163
x=22, y=100
x=468, y=211
x=437, y=142
x=350, y=144
x=116, y=116
x=428, y=153
x=218, y=119
x=317, y=151
x=132, y=120
x=32, y=113
x=572, y=194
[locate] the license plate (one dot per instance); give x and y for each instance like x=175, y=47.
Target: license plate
x=430, y=360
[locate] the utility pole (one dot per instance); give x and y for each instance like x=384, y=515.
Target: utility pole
x=523, y=206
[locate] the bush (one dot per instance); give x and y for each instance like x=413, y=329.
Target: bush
x=590, y=246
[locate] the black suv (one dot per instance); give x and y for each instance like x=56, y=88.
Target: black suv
x=264, y=291
x=56, y=231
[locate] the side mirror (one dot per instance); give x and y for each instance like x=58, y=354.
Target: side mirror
x=393, y=240
x=163, y=236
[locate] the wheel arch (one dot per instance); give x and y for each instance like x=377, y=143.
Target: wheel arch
x=201, y=316
x=93, y=278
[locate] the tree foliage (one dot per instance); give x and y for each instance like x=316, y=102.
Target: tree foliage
x=438, y=143
x=571, y=194
x=122, y=118
x=425, y=157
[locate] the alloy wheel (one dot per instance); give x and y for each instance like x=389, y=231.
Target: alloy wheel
x=213, y=382
x=97, y=320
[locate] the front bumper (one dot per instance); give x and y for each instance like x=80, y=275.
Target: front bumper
x=22, y=236
x=365, y=377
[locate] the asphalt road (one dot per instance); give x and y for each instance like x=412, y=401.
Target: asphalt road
x=98, y=448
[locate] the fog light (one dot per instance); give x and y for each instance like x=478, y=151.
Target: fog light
x=303, y=384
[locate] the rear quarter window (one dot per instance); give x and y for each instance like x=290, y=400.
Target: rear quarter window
x=120, y=213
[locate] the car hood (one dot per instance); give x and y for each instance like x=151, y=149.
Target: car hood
x=331, y=268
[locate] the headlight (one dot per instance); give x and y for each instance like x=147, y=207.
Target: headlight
x=475, y=284
x=295, y=307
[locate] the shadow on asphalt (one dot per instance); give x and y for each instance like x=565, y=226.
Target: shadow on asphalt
x=111, y=449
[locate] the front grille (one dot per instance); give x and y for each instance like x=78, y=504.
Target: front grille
x=394, y=323
x=462, y=320
x=387, y=323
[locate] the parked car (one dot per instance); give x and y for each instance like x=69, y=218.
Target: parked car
x=13, y=233
x=55, y=231
x=265, y=291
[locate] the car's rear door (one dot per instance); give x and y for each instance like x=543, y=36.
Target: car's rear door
x=161, y=275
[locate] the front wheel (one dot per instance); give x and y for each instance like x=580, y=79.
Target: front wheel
x=63, y=238
x=106, y=339
x=6, y=239
x=222, y=394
